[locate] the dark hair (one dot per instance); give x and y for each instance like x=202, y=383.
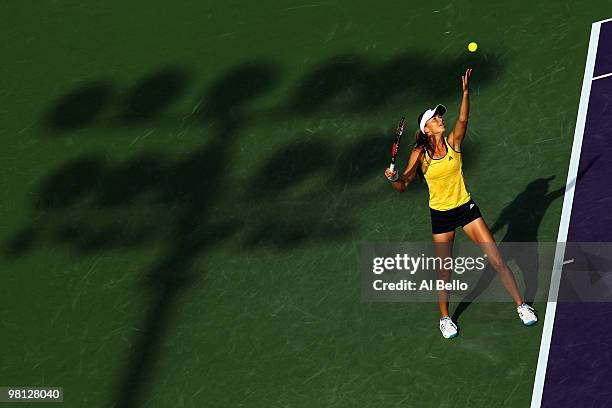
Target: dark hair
x=422, y=141
x=421, y=138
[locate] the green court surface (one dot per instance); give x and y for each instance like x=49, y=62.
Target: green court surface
x=185, y=189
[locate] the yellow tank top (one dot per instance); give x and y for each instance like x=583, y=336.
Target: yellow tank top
x=444, y=177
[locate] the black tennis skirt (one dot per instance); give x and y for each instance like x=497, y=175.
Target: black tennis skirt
x=449, y=220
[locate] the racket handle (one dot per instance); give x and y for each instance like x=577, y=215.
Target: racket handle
x=391, y=167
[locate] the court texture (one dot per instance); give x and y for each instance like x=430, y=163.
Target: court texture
x=185, y=189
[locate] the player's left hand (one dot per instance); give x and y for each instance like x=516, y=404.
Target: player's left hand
x=465, y=80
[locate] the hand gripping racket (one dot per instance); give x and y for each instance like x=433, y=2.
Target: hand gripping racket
x=398, y=137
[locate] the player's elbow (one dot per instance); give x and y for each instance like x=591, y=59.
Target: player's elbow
x=405, y=183
x=399, y=187
x=409, y=179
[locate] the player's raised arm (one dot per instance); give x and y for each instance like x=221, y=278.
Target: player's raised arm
x=400, y=182
x=455, y=138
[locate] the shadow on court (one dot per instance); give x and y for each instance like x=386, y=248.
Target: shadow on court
x=102, y=103
x=353, y=83
x=522, y=217
x=81, y=106
x=189, y=204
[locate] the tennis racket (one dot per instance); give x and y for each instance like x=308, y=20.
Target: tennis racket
x=396, y=142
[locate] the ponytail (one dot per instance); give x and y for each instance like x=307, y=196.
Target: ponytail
x=422, y=141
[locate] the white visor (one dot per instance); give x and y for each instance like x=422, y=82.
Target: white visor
x=430, y=113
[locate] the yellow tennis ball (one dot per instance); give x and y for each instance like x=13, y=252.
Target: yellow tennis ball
x=472, y=46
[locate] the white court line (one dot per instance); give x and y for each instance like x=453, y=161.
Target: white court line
x=602, y=76
x=551, y=305
x=603, y=21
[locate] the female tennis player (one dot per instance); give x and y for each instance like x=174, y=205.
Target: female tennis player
x=438, y=159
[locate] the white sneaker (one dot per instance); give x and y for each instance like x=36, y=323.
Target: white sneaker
x=527, y=314
x=448, y=328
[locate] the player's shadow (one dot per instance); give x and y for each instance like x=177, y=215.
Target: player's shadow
x=522, y=217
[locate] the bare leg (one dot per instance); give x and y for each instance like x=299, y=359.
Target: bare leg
x=479, y=232
x=444, y=248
